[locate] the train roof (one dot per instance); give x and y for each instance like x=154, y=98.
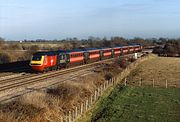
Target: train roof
x=80, y=50
x=70, y=51
x=45, y=53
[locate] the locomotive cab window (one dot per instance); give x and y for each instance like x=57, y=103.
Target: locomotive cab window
x=36, y=58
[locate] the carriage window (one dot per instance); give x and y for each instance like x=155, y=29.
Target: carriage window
x=76, y=55
x=62, y=57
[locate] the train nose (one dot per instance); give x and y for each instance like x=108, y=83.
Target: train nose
x=35, y=63
x=37, y=60
x=39, y=68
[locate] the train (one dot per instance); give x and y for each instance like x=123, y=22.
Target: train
x=55, y=60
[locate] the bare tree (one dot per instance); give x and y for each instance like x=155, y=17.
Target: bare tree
x=2, y=41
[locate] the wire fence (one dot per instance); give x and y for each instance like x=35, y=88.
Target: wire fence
x=154, y=83
x=83, y=107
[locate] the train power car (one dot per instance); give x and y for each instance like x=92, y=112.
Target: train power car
x=43, y=61
x=53, y=60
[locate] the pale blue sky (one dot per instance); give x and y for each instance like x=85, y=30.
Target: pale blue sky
x=58, y=19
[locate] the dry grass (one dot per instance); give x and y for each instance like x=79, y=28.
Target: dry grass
x=50, y=105
x=160, y=69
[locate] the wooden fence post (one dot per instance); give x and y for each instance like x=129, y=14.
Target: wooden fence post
x=69, y=116
x=91, y=99
x=140, y=82
x=86, y=105
x=81, y=108
x=102, y=89
x=153, y=83
x=125, y=81
x=104, y=85
x=166, y=83
x=95, y=95
x=73, y=116
x=76, y=112
x=61, y=119
x=98, y=93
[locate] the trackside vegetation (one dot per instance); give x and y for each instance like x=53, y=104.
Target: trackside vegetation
x=139, y=104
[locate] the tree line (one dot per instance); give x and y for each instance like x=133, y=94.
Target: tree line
x=168, y=48
x=163, y=46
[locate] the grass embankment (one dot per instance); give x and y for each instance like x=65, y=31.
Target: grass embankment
x=139, y=104
x=145, y=103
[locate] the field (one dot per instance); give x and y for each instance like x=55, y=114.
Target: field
x=137, y=104
x=158, y=68
x=145, y=103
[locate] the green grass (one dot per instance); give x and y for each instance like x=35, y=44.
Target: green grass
x=135, y=104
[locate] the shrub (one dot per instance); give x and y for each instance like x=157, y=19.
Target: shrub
x=108, y=76
x=15, y=47
x=34, y=48
x=4, y=58
x=1, y=42
x=131, y=59
x=122, y=63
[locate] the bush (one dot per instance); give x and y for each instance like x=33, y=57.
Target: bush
x=131, y=59
x=108, y=76
x=122, y=63
x=15, y=47
x=170, y=48
x=4, y=58
x=34, y=48
x=1, y=42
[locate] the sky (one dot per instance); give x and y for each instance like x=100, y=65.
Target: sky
x=58, y=19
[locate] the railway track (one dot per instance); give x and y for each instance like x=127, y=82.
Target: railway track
x=3, y=74
x=17, y=78
x=26, y=80
x=42, y=88
x=33, y=80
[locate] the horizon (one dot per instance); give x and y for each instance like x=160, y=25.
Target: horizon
x=45, y=19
